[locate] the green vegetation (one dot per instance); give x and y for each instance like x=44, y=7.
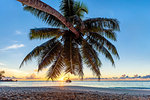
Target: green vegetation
x=65, y=51
x=1, y=74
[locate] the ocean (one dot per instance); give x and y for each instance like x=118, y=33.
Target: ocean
x=145, y=85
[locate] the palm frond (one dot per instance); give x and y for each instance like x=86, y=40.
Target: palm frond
x=107, y=55
x=68, y=52
x=99, y=46
x=66, y=8
x=2, y=72
x=37, y=51
x=108, y=34
x=49, y=55
x=99, y=38
x=47, y=18
x=45, y=33
x=72, y=56
x=98, y=24
x=91, y=58
x=51, y=11
x=77, y=60
x=57, y=67
x=80, y=9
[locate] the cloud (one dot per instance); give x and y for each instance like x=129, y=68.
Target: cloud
x=18, y=32
x=32, y=76
x=14, y=46
x=18, y=74
x=2, y=64
x=147, y=76
x=14, y=72
x=13, y=77
x=124, y=76
x=134, y=77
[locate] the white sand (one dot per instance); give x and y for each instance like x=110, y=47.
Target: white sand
x=71, y=93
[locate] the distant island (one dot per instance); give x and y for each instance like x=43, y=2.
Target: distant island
x=5, y=80
x=8, y=80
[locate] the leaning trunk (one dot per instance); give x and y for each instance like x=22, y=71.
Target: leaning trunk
x=46, y=8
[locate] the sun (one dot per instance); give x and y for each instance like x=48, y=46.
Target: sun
x=61, y=79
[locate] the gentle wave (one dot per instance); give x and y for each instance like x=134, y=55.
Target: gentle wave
x=145, y=85
x=133, y=88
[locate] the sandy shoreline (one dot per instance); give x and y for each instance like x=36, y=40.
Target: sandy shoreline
x=71, y=93
x=111, y=90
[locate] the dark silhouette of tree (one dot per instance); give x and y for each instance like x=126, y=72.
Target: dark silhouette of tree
x=1, y=74
x=73, y=40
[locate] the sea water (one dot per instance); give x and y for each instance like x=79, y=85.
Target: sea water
x=99, y=84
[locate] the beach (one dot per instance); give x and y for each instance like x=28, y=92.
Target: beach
x=71, y=93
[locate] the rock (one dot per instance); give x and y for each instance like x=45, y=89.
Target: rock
x=3, y=98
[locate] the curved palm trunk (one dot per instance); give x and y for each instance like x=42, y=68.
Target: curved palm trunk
x=46, y=8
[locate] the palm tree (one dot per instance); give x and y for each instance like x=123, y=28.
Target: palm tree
x=1, y=74
x=68, y=48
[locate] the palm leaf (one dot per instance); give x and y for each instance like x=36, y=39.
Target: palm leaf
x=98, y=24
x=73, y=11
x=1, y=73
x=55, y=70
x=66, y=8
x=37, y=51
x=72, y=57
x=97, y=37
x=77, y=60
x=91, y=58
x=47, y=18
x=80, y=9
x=68, y=52
x=51, y=11
x=99, y=46
x=108, y=34
x=49, y=55
x=45, y=33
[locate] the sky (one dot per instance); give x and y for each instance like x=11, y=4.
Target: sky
x=132, y=41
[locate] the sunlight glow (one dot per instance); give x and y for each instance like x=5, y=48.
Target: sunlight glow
x=61, y=79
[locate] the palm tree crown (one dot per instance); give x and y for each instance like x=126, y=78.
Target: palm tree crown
x=66, y=52
x=1, y=74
